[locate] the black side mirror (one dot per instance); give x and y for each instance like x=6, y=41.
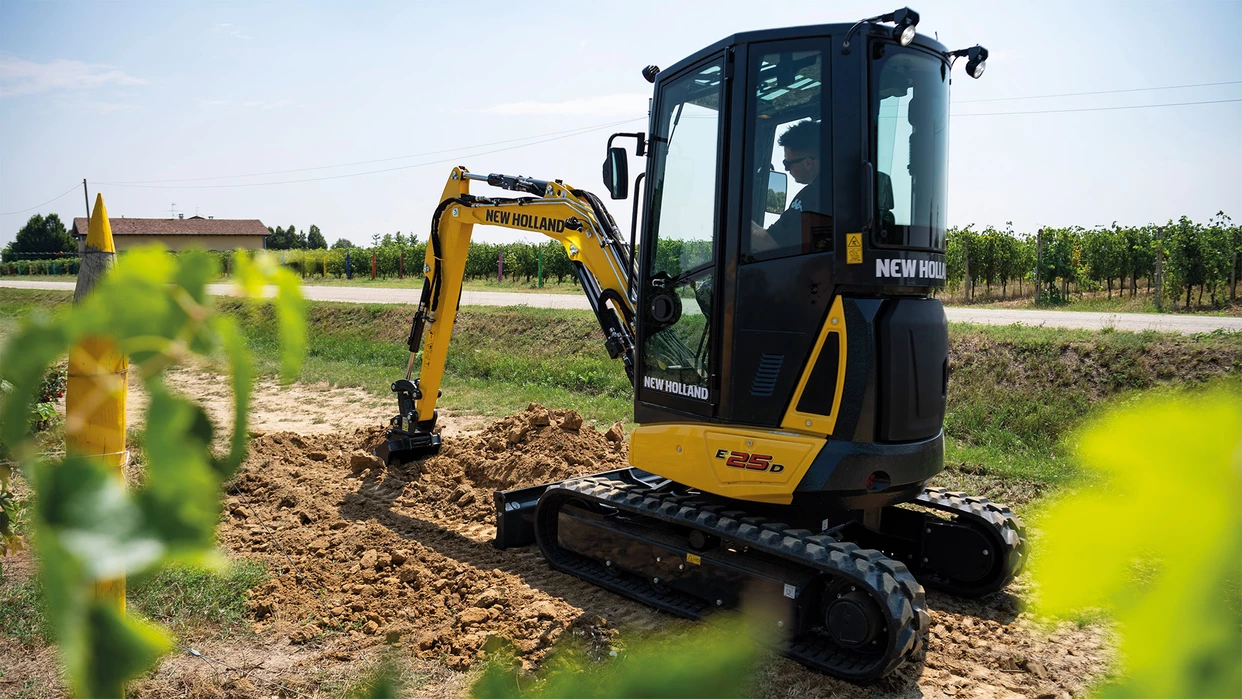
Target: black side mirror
x=778, y=185
x=617, y=173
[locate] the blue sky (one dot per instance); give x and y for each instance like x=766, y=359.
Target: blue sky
x=141, y=91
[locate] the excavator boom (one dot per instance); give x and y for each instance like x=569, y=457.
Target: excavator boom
x=576, y=218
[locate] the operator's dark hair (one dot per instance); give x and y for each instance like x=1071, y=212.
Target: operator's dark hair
x=802, y=136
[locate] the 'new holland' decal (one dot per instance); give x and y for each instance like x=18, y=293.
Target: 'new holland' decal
x=520, y=220
x=674, y=387
x=909, y=269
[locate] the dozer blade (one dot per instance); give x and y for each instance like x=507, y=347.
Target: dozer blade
x=515, y=509
x=402, y=446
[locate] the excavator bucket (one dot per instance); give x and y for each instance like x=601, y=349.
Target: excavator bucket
x=401, y=446
x=408, y=440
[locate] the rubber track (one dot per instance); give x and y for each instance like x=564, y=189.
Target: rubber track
x=1007, y=530
x=889, y=582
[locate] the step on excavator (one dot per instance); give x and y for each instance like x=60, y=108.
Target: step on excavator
x=789, y=361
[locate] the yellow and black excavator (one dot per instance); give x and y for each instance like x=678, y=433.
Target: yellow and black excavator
x=789, y=361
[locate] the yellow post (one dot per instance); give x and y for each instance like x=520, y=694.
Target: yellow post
x=98, y=379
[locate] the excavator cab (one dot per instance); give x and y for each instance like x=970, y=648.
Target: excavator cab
x=793, y=231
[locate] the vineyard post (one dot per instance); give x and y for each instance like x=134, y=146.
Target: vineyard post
x=966, y=268
x=540, y=266
x=1233, y=276
x=98, y=380
x=401, y=266
x=325, y=265
x=1039, y=265
x=372, y=266
x=349, y=272
x=1159, y=265
x=500, y=266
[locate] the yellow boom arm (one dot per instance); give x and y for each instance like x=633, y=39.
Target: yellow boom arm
x=601, y=260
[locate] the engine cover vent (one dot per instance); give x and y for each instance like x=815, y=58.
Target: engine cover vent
x=765, y=375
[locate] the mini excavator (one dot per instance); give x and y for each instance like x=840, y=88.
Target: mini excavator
x=789, y=362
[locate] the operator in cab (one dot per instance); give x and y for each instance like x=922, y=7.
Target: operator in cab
x=802, y=162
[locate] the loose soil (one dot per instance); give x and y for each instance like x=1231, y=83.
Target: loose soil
x=370, y=560
x=368, y=555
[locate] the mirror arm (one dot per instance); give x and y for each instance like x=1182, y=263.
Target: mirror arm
x=641, y=148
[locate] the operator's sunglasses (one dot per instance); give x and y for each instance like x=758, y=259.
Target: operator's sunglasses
x=795, y=161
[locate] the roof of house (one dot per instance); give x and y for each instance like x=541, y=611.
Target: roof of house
x=176, y=226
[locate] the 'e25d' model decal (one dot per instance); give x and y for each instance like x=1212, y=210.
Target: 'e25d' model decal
x=753, y=462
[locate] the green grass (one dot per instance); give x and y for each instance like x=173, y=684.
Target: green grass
x=1016, y=392
x=187, y=600
x=22, y=612
x=501, y=358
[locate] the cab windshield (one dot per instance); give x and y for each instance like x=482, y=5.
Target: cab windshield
x=910, y=118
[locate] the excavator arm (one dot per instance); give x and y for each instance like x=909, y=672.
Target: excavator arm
x=601, y=260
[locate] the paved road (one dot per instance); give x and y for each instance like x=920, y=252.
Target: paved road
x=984, y=316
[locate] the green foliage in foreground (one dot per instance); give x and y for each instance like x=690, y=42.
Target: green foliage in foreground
x=1158, y=543
x=716, y=658
x=87, y=526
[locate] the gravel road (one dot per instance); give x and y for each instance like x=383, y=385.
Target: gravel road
x=1187, y=324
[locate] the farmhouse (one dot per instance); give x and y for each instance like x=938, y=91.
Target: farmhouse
x=180, y=233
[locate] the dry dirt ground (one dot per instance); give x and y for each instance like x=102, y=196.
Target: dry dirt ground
x=369, y=560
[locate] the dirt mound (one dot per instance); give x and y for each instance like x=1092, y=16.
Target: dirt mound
x=404, y=553
x=365, y=554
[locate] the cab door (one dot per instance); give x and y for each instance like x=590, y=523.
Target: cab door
x=679, y=297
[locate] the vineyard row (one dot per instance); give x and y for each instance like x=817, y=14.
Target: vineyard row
x=1188, y=258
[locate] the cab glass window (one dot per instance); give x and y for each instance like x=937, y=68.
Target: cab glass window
x=790, y=179
x=679, y=288
x=911, y=118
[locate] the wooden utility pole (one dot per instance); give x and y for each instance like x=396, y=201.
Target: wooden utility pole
x=98, y=380
x=86, y=198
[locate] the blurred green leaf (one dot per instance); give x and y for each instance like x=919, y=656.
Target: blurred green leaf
x=714, y=658
x=1159, y=543
x=243, y=376
x=180, y=502
x=95, y=521
x=119, y=647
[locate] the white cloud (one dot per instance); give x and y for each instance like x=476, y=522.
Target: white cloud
x=21, y=77
x=231, y=29
x=621, y=104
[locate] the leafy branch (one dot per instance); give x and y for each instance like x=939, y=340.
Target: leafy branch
x=88, y=528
